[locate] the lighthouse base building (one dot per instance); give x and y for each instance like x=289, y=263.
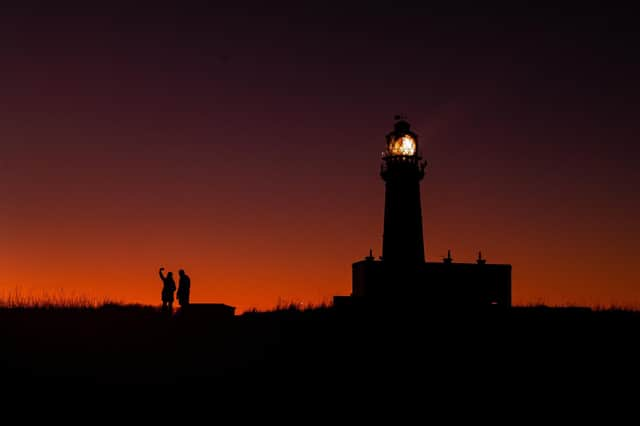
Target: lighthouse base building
x=438, y=284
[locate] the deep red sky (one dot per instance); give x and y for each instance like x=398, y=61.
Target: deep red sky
x=243, y=145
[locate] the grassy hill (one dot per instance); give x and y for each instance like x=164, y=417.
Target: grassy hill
x=138, y=344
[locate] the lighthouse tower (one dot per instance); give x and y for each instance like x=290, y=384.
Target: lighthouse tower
x=402, y=170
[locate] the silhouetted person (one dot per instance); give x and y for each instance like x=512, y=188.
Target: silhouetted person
x=168, y=288
x=184, y=288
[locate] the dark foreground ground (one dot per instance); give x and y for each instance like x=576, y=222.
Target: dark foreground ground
x=315, y=348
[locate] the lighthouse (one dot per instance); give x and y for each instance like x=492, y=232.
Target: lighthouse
x=402, y=170
x=402, y=277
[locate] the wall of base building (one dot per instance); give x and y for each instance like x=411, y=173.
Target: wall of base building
x=433, y=283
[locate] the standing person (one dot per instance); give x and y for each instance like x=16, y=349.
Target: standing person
x=168, y=288
x=184, y=288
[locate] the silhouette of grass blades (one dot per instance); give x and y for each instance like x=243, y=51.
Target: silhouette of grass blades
x=47, y=300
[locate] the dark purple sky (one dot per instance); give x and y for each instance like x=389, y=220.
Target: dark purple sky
x=150, y=132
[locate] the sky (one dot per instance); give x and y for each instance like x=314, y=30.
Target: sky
x=242, y=143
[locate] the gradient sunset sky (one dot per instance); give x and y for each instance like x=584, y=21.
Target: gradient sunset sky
x=242, y=143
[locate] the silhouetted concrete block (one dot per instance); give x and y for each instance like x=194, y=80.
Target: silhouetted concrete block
x=207, y=310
